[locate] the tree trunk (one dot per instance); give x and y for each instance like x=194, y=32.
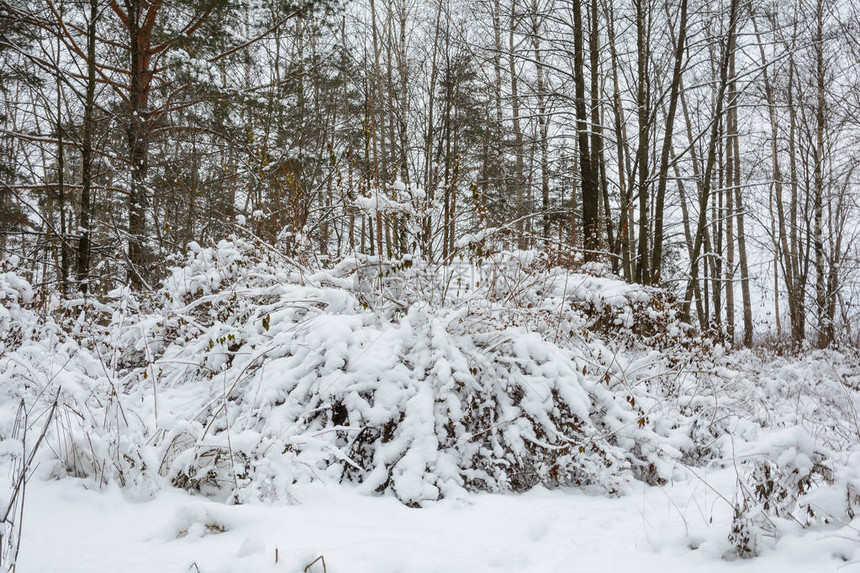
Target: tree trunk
x=590, y=191
x=519, y=167
x=598, y=166
x=680, y=48
x=643, y=108
x=138, y=24
x=796, y=295
x=732, y=177
x=744, y=266
x=543, y=123
x=84, y=221
x=781, y=246
x=711, y=159
x=619, y=122
x=825, y=325
x=61, y=187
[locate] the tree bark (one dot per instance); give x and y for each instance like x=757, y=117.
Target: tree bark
x=84, y=222
x=590, y=191
x=619, y=122
x=825, y=325
x=680, y=49
x=732, y=177
x=643, y=107
x=711, y=159
x=543, y=122
x=519, y=151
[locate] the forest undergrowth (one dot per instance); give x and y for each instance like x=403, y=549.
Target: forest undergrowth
x=248, y=372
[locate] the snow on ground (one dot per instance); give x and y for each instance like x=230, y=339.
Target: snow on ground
x=651, y=529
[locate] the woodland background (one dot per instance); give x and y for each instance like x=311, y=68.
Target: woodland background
x=706, y=147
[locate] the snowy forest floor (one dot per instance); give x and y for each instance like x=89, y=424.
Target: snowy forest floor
x=498, y=414
x=650, y=529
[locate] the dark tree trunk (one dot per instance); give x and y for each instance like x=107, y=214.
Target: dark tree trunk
x=590, y=191
x=83, y=258
x=643, y=107
x=701, y=228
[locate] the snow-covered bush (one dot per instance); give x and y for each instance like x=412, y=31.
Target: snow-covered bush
x=797, y=453
x=249, y=372
x=15, y=318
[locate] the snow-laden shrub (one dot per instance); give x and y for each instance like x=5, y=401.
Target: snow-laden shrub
x=744, y=534
x=797, y=452
x=248, y=372
x=15, y=316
